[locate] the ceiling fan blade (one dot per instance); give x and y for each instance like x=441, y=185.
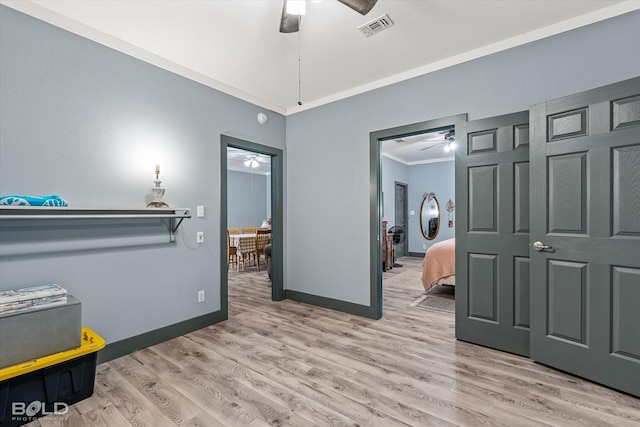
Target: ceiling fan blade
x=432, y=146
x=361, y=6
x=261, y=158
x=288, y=23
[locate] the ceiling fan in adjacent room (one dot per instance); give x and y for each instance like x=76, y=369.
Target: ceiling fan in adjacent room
x=250, y=160
x=448, y=140
x=253, y=161
x=293, y=9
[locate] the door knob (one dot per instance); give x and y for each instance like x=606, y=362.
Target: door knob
x=539, y=246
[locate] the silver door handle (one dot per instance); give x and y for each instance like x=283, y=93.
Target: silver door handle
x=539, y=246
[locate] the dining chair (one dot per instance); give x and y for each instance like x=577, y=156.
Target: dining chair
x=246, y=230
x=229, y=244
x=232, y=252
x=263, y=238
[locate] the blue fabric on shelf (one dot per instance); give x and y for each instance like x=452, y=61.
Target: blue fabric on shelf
x=52, y=200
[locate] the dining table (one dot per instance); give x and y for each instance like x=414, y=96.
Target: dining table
x=245, y=244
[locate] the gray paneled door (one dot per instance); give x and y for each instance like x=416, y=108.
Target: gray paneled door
x=492, y=234
x=585, y=204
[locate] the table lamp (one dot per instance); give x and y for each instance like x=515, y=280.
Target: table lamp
x=158, y=192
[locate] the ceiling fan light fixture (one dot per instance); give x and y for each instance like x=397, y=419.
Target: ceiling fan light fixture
x=295, y=7
x=251, y=163
x=450, y=141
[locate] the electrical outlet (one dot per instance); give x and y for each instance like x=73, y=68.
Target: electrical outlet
x=200, y=237
x=200, y=211
x=201, y=296
x=424, y=246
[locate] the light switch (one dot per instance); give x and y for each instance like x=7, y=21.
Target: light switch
x=200, y=237
x=412, y=212
x=200, y=211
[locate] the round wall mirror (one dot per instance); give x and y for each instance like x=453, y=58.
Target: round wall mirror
x=430, y=216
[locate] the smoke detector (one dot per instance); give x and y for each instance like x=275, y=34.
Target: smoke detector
x=373, y=27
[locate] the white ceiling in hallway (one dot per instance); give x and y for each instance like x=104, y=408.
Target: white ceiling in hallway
x=235, y=45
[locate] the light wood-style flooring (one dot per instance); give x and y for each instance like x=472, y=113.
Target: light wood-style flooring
x=290, y=364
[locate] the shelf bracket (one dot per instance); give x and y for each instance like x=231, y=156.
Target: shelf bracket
x=172, y=234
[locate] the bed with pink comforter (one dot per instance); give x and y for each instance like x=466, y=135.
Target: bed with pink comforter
x=439, y=264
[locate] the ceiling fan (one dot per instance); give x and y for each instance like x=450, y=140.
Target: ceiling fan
x=448, y=140
x=251, y=160
x=293, y=9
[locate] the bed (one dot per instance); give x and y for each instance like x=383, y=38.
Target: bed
x=439, y=264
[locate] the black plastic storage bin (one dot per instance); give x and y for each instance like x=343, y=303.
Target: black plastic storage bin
x=47, y=392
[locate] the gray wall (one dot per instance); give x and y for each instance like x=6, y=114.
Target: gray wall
x=87, y=122
x=431, y=177
x=246, y=199
x=425, y=178
x=335, y=190
x=392, y=171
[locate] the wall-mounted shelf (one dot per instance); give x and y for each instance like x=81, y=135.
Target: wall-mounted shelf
x=175, y=215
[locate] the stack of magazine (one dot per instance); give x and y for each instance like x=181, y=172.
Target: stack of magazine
x=32, y=298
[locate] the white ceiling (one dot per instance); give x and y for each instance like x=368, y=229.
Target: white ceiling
x=235, y=45
x=418, y=149
x=238, y=160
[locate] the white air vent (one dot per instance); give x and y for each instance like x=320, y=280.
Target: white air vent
x=375, y=26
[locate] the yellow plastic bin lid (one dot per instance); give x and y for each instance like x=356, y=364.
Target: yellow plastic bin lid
x=90, y=343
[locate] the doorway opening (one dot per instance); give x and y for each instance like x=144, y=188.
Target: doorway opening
x=248, y=209
x=422, y=137
x=260, y=201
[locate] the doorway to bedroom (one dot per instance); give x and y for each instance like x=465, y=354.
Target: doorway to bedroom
x=417, y=211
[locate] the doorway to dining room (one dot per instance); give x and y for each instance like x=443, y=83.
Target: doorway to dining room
x=251, y=211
